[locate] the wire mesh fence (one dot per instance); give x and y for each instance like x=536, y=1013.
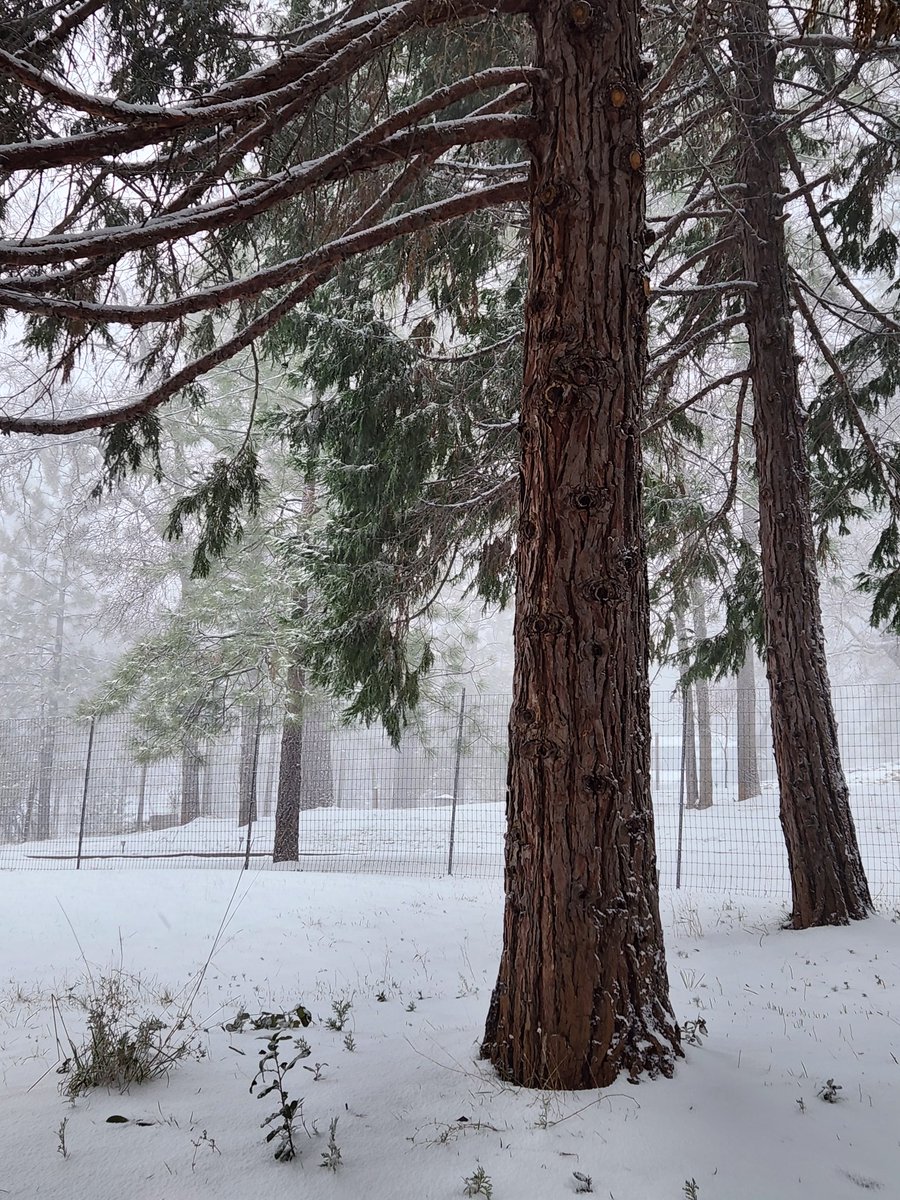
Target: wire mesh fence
x=82, y=793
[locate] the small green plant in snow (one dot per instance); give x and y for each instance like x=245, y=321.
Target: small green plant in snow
x=331, y=1158
x=478, y=1184
x=270, y=1078
x=341, y=1011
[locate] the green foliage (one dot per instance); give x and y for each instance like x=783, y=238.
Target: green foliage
x=127, y=448
x=293, y=1018
x=478, y=1184
x=217, y=504
x=163, y=46
x=399, y=444
x=331, y=1157
x=722, y=654
x=866, y=240
x=271, y=1078
x=341, y=1011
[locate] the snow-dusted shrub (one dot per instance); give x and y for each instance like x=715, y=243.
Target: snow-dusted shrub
x=122, y=1045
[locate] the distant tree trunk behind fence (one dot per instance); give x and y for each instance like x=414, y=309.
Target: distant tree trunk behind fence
x=748, y=784
x=317, y=776
x=689, y=753
x=247, y=765
x=704, y=724
x=286, y=846
x=190, y=779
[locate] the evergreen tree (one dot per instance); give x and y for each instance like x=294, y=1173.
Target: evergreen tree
x=577, y=757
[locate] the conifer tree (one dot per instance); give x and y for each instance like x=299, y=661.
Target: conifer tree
x=582, y=993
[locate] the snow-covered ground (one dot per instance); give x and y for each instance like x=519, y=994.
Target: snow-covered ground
x=729, y=847
x=417, y=1112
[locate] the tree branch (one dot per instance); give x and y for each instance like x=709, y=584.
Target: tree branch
x=319, y=264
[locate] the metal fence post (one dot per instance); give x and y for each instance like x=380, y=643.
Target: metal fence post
x=459, y=746
x=251, y=815
x=84, y=794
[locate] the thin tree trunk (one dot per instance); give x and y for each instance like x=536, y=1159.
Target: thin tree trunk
x=142, y=797
x=747, y=738
x=582, y=991
x=40, y=816
x=704, y=722
x=286, y=847
x=247, y=765
x=688, y=726
x=747, y=742
x=827, y=876
x=268, y=790
x=208, y=779
x=190, y=780
x=42, y=813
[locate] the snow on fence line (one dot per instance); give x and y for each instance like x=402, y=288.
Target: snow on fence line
x=72, y=794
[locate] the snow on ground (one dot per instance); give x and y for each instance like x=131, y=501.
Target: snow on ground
x=729, y=847
x=417, y=1112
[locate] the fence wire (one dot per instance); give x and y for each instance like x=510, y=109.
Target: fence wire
x=78, y=793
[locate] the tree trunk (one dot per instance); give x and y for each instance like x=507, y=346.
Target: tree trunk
x=704, y=722
x=286, y=846
x=268, y=788
x=142, y=798
x=747, y=740
x=747, y=748
x=582, y=991
x=208, y=781
x=247, y=765
x=317, y=781
x=828, y=881
x=190, y=781
x=42, y=812
x=40, y=815
x=690, y=790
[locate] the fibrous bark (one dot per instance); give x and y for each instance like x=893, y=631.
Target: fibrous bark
x=827, y=876
x=582, y=992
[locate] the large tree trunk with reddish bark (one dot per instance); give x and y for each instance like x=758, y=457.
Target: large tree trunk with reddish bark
x=582, y=993
x=827, y=877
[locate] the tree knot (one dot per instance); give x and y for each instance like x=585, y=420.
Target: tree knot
x=586, y=498
x=555, y=194
x=546, y=624
x=540, y=748
x=581, y=14
x=582, y=368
